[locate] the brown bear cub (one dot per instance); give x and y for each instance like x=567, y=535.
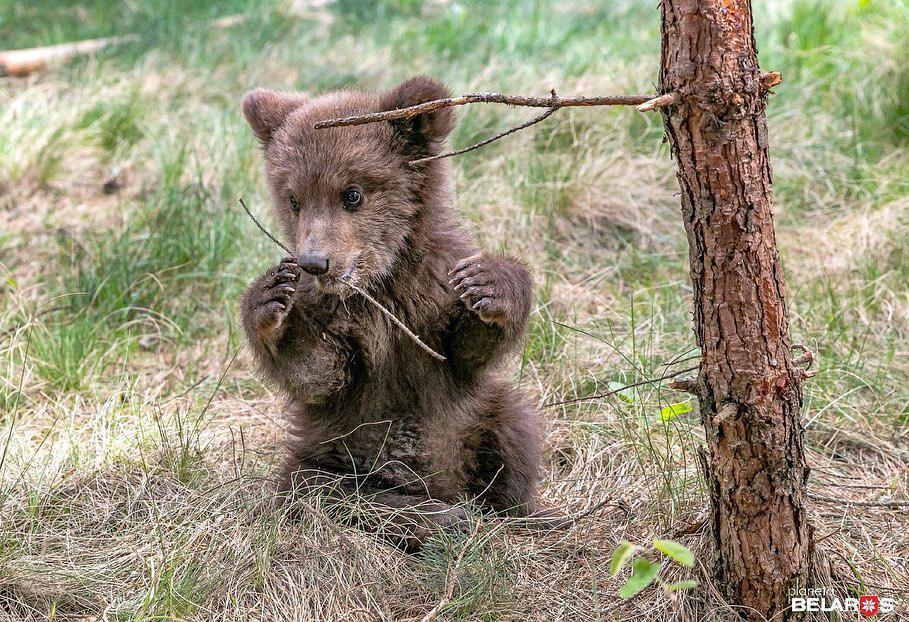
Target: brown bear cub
x=371, y=412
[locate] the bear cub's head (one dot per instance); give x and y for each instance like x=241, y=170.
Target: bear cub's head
x=347, y=197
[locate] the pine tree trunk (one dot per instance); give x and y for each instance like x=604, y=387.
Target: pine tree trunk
x=749, y=389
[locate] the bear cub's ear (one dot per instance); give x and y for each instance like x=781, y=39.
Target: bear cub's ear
x=266, y=110
x=424, y=132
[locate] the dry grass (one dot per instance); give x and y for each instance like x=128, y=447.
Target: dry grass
x=135, y=451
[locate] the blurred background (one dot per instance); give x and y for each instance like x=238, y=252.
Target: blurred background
x=135, y=439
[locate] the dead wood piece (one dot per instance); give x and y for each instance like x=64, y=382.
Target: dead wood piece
x=29, y=60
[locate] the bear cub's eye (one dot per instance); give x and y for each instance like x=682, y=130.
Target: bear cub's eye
x=352, y=198
x=294, y=205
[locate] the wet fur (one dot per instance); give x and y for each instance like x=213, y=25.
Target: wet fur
x=365, y=402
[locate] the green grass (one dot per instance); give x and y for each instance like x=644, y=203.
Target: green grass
x=136, y=450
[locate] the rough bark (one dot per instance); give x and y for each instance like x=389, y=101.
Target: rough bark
x=749, y=388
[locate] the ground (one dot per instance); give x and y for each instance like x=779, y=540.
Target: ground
x=136, y=441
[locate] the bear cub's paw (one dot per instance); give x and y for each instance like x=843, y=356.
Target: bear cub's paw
x=272, y=297
x=492, y=287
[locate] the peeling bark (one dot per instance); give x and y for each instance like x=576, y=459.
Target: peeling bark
x=748, y=386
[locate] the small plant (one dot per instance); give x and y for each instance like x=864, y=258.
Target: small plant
x=644, y=571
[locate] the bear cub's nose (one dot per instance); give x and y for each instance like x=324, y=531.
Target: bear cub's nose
x=314, y=263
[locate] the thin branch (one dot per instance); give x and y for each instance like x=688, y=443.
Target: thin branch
x=264, y=230
x=770, y=79
x=688, y=385
x=806, y=356
x=598, y=396
x=596, y=508
x=391, y=316
x=883, y=503
x=484, y=98
x=661, y=101
x=767, y=80
x=692, y=527
x=485, y=142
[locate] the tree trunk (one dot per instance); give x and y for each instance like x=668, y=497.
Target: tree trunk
x=749, y=389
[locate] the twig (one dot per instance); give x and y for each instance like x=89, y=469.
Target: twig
x=770, y=79
x=692, y=527
x=620, y=389
x=491, y=139
x=264, y=230
x=688, y=385
x=596, y=508
x=806, y=356
x=829, y=535
x=883, y=503
x=391, y=316
x=661, y=101
x=483, y=98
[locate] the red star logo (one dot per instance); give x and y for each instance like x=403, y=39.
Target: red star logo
x=868, y=605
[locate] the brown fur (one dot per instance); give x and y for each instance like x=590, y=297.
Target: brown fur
x=365, y=402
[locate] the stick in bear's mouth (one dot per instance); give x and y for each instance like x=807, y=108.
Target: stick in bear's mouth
x=391, y=316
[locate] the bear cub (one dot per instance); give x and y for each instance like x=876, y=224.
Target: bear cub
x=371, y=413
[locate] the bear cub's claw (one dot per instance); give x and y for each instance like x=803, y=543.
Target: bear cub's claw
x=275, y=297
x=483, y=286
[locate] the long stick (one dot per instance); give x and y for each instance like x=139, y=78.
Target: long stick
x=645, y=102
x=485, y=98
x=391, y=316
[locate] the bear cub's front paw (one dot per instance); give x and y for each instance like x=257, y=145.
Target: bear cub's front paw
x=272, y=297
x=486, y=287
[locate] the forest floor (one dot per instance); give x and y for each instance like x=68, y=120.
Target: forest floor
x=136, y=441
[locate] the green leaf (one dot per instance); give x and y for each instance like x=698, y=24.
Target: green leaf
x=668, y=413
x=621, y=556
x=643, y=572
x=622, y=391
x=681, y=585
x=678, y=552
